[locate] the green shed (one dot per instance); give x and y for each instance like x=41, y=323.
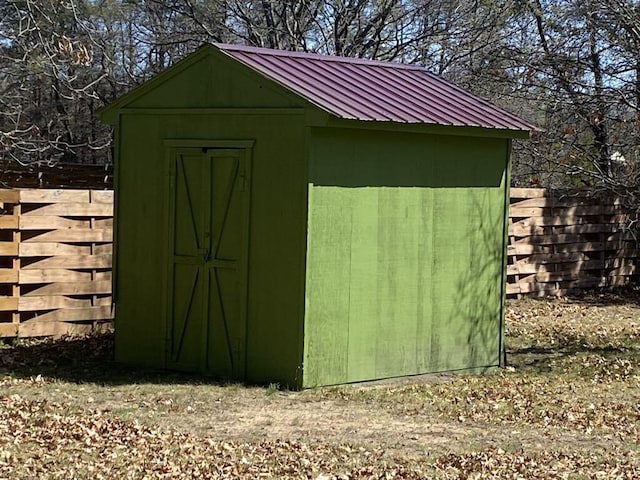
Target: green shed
x=308, y=220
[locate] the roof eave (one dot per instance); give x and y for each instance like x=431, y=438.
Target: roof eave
x=458, y=130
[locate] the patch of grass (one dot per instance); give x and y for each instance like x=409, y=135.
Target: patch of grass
x=273, y=388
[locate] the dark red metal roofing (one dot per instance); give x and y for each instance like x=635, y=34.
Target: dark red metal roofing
x=359, y=89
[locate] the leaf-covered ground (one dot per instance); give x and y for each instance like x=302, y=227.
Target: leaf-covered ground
x=567, y=406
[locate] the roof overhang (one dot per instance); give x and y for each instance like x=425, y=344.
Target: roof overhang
x=425, y=128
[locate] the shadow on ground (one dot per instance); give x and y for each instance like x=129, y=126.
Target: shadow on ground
x=91, y=359
x=606, y=297
x=82, y=360
x=541, y=360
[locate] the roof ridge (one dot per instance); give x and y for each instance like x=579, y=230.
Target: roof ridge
x=318, y=57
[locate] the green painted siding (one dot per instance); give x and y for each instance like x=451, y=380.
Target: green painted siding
x=276, y=243
x=141, y=216
x=404, y=255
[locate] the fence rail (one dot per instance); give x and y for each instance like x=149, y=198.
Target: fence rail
x=562, y=242
x=55, y=261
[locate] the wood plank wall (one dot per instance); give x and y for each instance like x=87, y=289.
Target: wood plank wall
x=564, y=242
x=55, y=261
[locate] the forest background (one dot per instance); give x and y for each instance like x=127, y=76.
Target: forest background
x=570, y=67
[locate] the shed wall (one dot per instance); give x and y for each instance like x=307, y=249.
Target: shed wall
x=405, y=250
x=276, y=243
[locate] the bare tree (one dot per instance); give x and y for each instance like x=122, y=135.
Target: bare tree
x=581, y=76
x=572, y=67
x=61, y=61
x=47, y=81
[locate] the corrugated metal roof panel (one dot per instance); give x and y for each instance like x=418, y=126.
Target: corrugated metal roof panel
x=355, y=88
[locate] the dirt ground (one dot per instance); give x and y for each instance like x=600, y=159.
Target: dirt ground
x=567, y=406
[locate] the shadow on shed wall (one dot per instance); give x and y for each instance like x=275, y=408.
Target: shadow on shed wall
x=480, y=288
x=361, y=158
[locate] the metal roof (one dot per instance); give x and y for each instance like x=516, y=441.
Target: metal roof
x=354, y=88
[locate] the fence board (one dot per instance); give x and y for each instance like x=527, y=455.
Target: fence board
x=71, y=261
x=78, y=235
x=521, y=230
x=8, y=304
x=561, y=220
x=72, y=288
x=529, y=268
x=101, y=312
x=52, y=329
x=74, y=210
x=28, y=304
x=8, y=249
x=102, y=196
x=103, y=223
x=550, y=202
x=9, y=221
x=53, y=275
x=624, y=235
x=52, y=249
x=9, y=196
x=589, y=228
x=8, y=329
x=102, y=275
x=106, y=300
x=556, y=258
x=8, y=275
x=525, y=248
x=54, y=196
x=49, y=222
x=105, y=249
x=551, y=239
x=518, y=192
x=623, y=271
x=586, y=210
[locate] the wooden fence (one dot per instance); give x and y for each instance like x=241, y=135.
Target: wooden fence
x=564, y=242
x=59, y=175
x=55, y=261
x=56, y=251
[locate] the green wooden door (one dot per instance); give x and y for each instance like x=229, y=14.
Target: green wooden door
x=208, y=261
